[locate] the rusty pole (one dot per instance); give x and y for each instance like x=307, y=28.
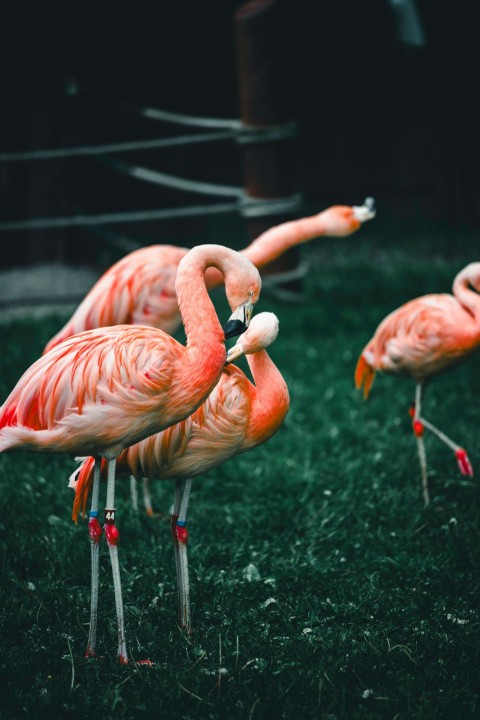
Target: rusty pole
x=268, y=164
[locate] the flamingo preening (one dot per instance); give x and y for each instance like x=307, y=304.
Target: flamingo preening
x=237, y=416
x=140, y=288
x=103, y=390
x=421, y=339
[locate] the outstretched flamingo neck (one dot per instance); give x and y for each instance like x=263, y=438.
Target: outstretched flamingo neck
x=466, y=289
x=271, y=244
x=276, y=240
x=335, y=221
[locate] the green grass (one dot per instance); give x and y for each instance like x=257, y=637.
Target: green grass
x=321, y=587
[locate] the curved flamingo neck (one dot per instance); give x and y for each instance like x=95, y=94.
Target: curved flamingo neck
x=270, y=399
x=462, y=289
x=200, y=320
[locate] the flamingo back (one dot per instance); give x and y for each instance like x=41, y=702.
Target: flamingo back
x=139, y=289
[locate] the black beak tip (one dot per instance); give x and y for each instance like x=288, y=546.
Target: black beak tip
x=233, y=328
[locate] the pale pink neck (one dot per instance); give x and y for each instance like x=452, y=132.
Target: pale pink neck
x=462, y=290
x=270, y=399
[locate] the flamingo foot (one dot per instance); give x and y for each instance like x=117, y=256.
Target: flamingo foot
x=112, y=534
x=464, y=464
x=90, y=652
x=94, y=529
x=122, y=659
x=181, y=533
x=418, y=428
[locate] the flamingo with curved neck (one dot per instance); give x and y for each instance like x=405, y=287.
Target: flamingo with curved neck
x=102, y=390
x=140, y=288
x=237, y=416
x=421, y=339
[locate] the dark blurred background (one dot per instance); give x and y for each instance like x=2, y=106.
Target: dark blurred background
x=385, y=102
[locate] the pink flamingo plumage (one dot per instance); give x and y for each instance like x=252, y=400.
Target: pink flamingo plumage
x=425, y=337
x=100, y=391
x=140, y=288
x=236, y=417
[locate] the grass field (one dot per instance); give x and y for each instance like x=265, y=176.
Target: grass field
x=321, y=587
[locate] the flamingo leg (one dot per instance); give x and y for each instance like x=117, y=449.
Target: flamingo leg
x=419, y=426
x=173, y=529
x=147, y=497
x=134, y=493
x=418, y=431
x=113, y=536
x=180, y=536
x=95, y=533
x=463, y=460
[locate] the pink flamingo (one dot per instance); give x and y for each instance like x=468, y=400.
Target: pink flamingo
x=140, y=288
x=102, y=390
x=236, y=417
x=421, y=339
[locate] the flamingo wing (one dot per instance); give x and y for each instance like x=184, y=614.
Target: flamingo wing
x=212, y=434
x=205, y=439
x=101, y=382
x=421, y=338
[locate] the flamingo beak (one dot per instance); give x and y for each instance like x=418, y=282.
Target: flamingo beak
x=365, y=212
x=235, y=352
x=239, y=320
x=233, y=328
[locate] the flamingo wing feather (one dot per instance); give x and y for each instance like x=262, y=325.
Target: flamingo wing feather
x=421, y=338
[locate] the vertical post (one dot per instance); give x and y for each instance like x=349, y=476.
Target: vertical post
x=45, y=186
x=268, y=164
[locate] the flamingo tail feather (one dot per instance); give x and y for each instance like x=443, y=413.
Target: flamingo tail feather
x=364, y=375
x=83, y=486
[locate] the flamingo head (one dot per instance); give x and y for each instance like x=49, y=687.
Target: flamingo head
x=343, y=220
x=468, y=276
x=261, y=333
x=365, y=212
x=243, y=290
x=241, y=277
x=239, y=320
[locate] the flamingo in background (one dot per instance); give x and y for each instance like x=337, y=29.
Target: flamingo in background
x=421, y=339
x=102, y=390
x=236, y=417
x=140, y=288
